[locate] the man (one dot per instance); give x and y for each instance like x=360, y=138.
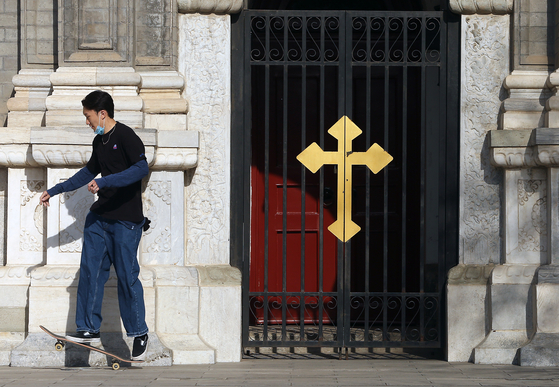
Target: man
x=113, y=226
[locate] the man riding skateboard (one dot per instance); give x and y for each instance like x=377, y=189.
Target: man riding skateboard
x=114, y=225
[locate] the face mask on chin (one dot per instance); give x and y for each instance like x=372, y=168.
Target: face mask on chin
x=100, y=130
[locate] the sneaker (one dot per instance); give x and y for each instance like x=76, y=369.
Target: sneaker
x=140, y=347
x=85, y=337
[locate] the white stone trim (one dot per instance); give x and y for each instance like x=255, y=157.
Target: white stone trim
x=467, y=7
x=210, y=6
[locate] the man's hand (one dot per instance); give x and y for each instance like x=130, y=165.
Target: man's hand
x=45, y=199
x=93, y=187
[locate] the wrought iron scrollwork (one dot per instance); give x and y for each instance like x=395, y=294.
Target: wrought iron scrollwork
x=295, y=39
x=391, y=39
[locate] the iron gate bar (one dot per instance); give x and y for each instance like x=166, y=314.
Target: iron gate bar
x=343, y=251
x=368, y=143
x=284, y=201
x=404, y=172
x=423, y=196
x=321, y=192
x=344, y=292
x=303, y=179
x=266, y=187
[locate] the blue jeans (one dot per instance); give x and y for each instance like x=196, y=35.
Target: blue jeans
x=107, y=242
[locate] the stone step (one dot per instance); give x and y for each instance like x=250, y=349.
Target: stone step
x=188, y=349
x=38, y=351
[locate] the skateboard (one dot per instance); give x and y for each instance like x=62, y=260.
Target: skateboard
x=62, y=340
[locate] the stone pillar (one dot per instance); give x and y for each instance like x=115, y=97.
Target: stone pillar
x=204, y=60
x=485, y=42
x=27, y=107
x=525, y=106
x=530, y=159
x=543, y=350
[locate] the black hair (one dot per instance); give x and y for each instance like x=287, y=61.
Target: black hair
x=99, y=100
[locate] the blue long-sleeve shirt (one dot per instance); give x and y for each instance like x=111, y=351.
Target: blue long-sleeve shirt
x=122, y=179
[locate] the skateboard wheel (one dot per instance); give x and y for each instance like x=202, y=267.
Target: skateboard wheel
x=116, y=366
x=59, y=346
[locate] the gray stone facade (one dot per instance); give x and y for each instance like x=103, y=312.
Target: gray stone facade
x=8, y=53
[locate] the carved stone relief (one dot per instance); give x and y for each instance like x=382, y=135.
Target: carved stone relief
x=532, y=202
x=163, y=199
x=122, y=32
x=25, y=234
x=525, y=216
x=158, y=208
x=31, y=235
x=485, y=44
x=205, y=62
x=74, y=207
x=66, y=219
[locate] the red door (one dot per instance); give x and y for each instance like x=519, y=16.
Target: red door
x=285, y=195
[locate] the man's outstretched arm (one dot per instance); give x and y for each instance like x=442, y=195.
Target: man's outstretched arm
x=80, y=178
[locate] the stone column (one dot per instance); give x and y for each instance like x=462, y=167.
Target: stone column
x=204, y=60
x=531, y=160
x=485, y=43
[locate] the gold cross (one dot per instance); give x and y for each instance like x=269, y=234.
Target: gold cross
x=313, y=157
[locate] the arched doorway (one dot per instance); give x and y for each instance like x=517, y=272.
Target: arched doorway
x=299, y=66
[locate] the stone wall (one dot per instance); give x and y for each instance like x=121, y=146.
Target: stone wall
x=534, y=33
x=8, y=53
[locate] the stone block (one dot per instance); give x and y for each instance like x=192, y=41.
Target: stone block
x=165, y=106
x=501, y=347
x=14, y=295
x=8, y=341
x=22, y=119
x=8, y=19
x=178, y=312
x=188, y=349
x=512, y=307
x=76, y=118
x=522, y=120
x=165, y=121
x=547, y=308
x=38, y=351
x=552, y=119
x=467, y=317
x=220, y=311
x=52, y=300
x=10, y=6
x=509, y=138
x=178, y=139
x=542, y=351
x=52, y=303
x=12, y=319
x=10, y=35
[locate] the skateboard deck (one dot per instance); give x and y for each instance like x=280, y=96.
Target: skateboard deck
x=62, y=340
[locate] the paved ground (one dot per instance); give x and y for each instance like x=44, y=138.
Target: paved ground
x=281, y=372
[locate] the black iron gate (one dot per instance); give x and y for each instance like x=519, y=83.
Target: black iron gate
x=388, y=72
